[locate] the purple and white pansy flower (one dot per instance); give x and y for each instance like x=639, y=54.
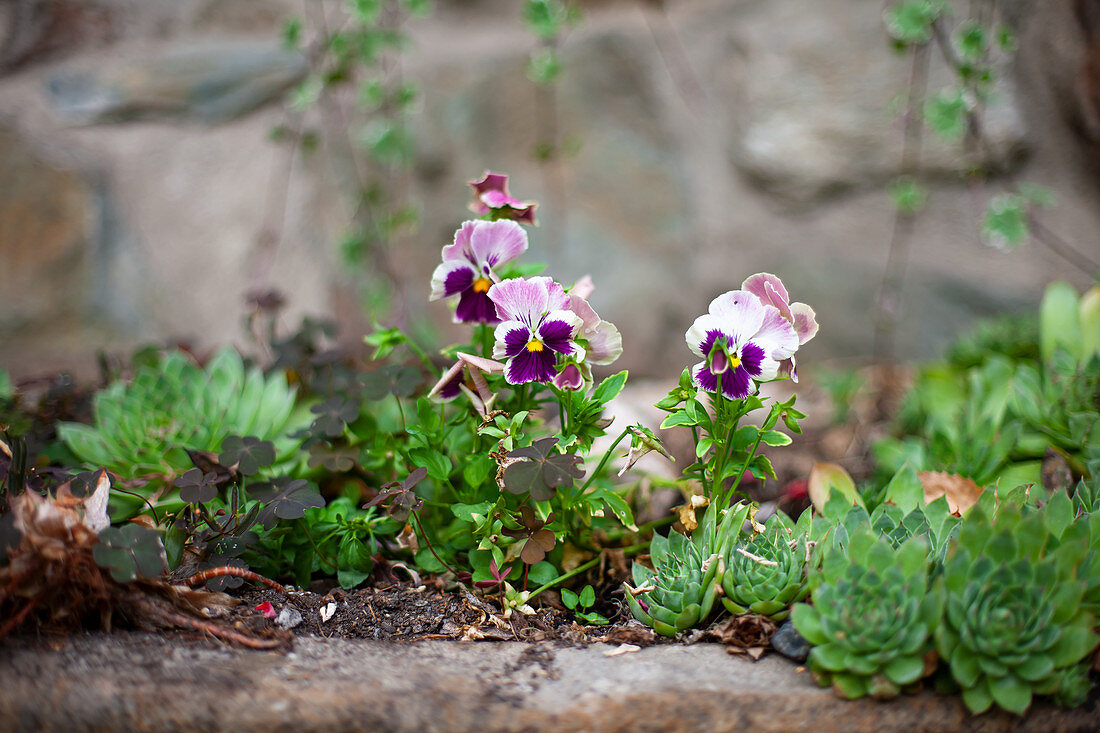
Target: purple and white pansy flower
x=491, y=198
x=536, y=328
x=771, y=291
x=469, y=267
x=741, y=340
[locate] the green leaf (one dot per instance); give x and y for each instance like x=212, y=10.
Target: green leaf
x=610, y=388
x=971, y=40
x=1005, y=222
x=775, y=438
x=569, y=598
x=808, y=623
x=439, y=466
x=1010, y=693
x=908, y=196
x=946, y=114
x=587, y=597
x=1059, y=320
x=680, y=417
x=905, y=490
x=910, y=21
x=977, y=698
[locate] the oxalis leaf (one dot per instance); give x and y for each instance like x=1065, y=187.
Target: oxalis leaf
x=130, y=552
x=286, y=499
x=543, y=471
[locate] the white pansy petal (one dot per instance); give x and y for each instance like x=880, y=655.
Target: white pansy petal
x=696, y=336
x=776, y=335
x=495, y=243
x=805, y=321
x=741, y=314
x=460, y=249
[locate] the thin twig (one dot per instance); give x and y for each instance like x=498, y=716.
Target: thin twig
x=204, y=575
x=757, y=558
x=171, y=616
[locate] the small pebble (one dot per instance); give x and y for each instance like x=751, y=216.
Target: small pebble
x=288, y=618
x=788, y=642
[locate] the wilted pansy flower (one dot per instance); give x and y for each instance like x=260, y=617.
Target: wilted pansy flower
x=469, y=266
x=771, y=291
x=740, y=339
x=537, y=327
x=491, y=197
x=468, y=376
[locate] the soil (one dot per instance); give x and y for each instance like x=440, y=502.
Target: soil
x=404, y=612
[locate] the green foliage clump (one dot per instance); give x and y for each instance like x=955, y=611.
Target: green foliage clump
x=146, y=426
x=1015, y=625
x=872, y=617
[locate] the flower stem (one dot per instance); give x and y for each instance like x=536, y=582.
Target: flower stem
x=605, y=459
x=428, y=542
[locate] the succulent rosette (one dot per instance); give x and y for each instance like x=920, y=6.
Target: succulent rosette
x=680, y=592
x=742, y=340
x=470, y=265
x=766, y=574
x=536, y=329
x=1015, y=625
x=872, y=618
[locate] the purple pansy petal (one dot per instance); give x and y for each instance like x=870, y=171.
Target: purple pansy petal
x=475, y=307
x=736, y=384
x=767, y=287
x=556, y=333
x=451, y=278
x=705, y=379
x=511, y=339
x=530, y=366
x=700, y=337
x=805, y=322
x=496, y=242
x=776, y=335
x=447, y=388
x=569, y=378
x=490, y=182
x=460, y=249
x=753, y=359
x=527, y=300
x=583, y=288
x=740, y=312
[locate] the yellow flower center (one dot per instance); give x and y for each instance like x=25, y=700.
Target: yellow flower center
x=534, y=345
x=734, y=362
x=482, y=284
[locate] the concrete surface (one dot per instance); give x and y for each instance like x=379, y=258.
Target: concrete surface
x=146, y=682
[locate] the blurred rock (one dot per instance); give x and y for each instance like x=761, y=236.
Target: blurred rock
x=211, y=83
x=46, y=219
x=788, y=642
x=815, y=109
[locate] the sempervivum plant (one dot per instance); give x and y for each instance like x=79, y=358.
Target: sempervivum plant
x=766, y=574
x=145, y=427
x=872, y=617
x=1015, y=625
x=680, y=592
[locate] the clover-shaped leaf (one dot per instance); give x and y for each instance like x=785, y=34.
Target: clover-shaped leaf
x=338, y=458
x=197, y=487
x=130, y=552
x=539, y=540
x=397, y=380
x=543, y=473
x=333, y=414
x=287, y=499
x=402, y=499
x=248, y=454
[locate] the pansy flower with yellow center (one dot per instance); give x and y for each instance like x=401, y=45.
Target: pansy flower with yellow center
x=469, y=266
x=741, y=340
x=537, y=327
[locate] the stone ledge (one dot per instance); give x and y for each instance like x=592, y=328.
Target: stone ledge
x=147, y=682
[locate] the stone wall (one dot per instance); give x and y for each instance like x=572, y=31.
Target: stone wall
x=141, y=194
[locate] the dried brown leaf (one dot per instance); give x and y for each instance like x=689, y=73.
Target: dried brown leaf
x=962, y=493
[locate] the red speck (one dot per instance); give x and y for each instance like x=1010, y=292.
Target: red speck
x=266, y=609
x=796, y=489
